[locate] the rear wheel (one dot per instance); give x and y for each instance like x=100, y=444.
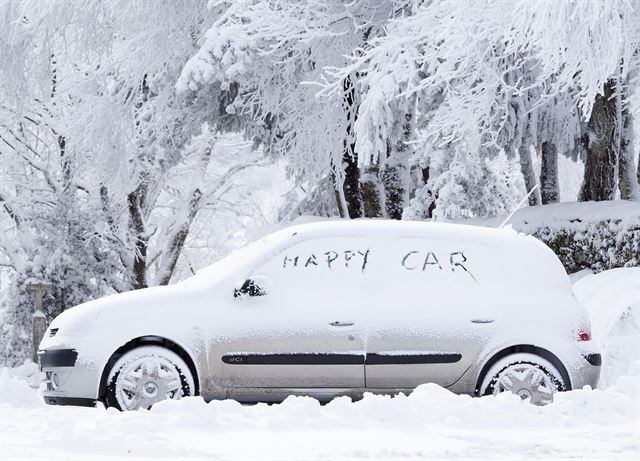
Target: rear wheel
x=146, y=375
x=529, y=376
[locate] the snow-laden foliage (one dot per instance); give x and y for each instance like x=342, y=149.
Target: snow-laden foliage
x=467, y=186
x=389, y=85
x=271, y=53
x=104, y=166
x=481, y=54
x=492, y=76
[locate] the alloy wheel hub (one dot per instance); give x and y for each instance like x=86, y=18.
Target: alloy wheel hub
x=147, y=380
x=524, y=394
x=151, y=389
x=527, y=381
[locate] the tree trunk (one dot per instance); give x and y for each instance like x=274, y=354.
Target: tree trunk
x=549, y=191
x=432, y=205
x=135, y=201
x=341, y=203
x=526, y=166
x=394, y=178
x=627, y=177
x=351, y=179
x=395, y=174
x=373, y=199
x=351, y=187
x=601, y=144
x=176, y=241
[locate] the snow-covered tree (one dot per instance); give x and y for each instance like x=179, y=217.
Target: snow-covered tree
x=104, y=166
x=274, y=53
x=116, y=119
x=498, y=76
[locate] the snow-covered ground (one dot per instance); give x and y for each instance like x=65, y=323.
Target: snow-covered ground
x=430, y=423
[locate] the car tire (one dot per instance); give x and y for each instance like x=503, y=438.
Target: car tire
x=146, y=375
x=529, y=376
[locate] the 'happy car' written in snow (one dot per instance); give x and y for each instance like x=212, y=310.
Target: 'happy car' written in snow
x=410, y=261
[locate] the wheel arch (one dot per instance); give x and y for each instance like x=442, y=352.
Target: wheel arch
x=526, y=348
x=149, y=340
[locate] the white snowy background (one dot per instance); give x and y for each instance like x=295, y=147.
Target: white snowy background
x=231, y=119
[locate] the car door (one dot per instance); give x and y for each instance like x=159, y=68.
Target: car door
x=426, y=326
x=302, y=326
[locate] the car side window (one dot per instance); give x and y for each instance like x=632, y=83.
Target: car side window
x=418, y=274
x=320, y=271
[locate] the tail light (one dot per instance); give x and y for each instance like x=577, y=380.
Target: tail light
x=584, y=336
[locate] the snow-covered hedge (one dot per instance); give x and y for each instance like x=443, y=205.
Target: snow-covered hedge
x=601, y=245
x=585, y=235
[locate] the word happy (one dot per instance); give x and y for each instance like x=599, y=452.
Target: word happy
x=330, y=259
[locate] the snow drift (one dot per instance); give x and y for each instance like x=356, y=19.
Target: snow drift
x=613, y=301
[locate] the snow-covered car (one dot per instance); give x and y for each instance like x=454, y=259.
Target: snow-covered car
x=335, y=308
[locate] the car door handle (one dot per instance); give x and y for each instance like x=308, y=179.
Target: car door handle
x=482, y=321
x=341, y=324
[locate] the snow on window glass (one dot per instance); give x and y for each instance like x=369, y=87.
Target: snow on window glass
x=321, y=274
x=318, y=258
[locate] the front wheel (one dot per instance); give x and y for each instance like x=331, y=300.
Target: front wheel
x=146, y=375
x=529, y=376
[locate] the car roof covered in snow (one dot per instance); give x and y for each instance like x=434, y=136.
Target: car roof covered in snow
x=506, y=241
x=388, y=228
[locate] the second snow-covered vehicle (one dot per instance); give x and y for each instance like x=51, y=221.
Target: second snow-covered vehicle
x=335, y=308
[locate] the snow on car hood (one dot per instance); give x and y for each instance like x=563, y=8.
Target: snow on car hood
x=81, y=317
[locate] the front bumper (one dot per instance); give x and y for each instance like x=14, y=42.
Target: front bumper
x=56, y=358
x=66, y=381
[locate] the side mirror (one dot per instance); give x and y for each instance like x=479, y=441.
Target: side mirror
x=249, y=288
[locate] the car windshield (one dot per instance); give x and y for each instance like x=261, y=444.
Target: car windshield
x=234, y=261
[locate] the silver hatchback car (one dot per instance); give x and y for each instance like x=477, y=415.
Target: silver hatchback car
x=335, y=308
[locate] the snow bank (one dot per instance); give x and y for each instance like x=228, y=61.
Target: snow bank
x=613, y=301
x=431, y=422
x=16, y=392
x=18, y=386
x=27, y=372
